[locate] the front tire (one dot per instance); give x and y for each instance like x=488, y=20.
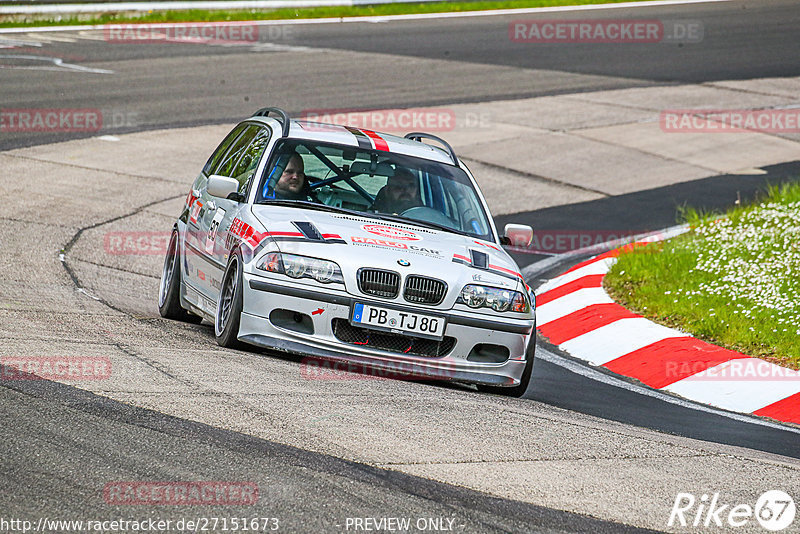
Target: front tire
x=169, y=290
x=229, y=305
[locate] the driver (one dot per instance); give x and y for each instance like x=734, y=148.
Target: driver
x=292, y=184
x=400, y=193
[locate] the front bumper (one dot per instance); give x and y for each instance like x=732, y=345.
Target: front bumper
x=262, y=296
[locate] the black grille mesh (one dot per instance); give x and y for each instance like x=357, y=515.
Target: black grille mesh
x=347, y=333
x=379, y=283
x=424, y=290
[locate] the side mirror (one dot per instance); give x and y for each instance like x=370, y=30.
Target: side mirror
x=221, y=186
x=518, y=235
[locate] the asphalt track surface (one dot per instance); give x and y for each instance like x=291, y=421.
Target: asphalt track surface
x=397, y=64
x=88, y=440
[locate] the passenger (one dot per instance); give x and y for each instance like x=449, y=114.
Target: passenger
x=400, y=193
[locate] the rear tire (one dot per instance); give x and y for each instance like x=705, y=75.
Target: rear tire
x=520, y=389
x=229, y=305
x=169, y=290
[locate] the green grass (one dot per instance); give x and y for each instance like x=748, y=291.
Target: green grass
x=197, y=15
x=734, y=280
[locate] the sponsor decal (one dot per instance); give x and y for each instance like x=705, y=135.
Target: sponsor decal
x=195, y=211
x=246, y=233
x=408, y=247
x=391, y=232
x=357, y=240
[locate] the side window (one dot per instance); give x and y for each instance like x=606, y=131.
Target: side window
x=212, y=162
x=246, y=167
x=228, y=164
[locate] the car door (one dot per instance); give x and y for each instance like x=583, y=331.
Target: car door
x=243, y=172
x=208, y=269
x=194, y=238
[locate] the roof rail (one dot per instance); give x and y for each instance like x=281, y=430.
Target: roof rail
x=283, y=118
x=419, y=136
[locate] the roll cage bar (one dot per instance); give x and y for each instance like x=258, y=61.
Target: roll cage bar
x=419, y=136
x=282, y=118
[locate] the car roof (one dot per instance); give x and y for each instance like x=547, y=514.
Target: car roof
x=358, y=138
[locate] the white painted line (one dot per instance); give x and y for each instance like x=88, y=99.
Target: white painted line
x=53, y=63
x=594, y=374
x=596, y=267
x=577, y=300
x=741, y=385
x=616, y=339
x=387, y=18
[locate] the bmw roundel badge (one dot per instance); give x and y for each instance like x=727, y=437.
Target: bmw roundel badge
x=403, y=263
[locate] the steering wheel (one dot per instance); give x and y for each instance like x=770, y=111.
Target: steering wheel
x=424, y=213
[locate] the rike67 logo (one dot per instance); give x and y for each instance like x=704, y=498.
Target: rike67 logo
x=774, y=510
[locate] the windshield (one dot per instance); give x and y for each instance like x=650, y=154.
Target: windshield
x=376, y=183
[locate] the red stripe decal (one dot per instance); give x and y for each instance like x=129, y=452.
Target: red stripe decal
x=331, y=236
x=380, y=143
x=583, y=321
x=460, y=257
x=787, y=410
x=486, y=245
x=503, y=269
x=592, y=280
x=287, y=234
x=257, y=238
x=669, y=360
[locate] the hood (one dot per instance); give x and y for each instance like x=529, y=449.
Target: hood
x=360, y=241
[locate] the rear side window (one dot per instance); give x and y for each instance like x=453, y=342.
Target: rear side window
x=246, y=167
x=228, y=163
x=223, y=147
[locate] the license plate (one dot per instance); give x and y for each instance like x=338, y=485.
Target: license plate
x=397, y=321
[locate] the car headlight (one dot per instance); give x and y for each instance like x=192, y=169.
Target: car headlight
x=322, y=271
x=499, y=300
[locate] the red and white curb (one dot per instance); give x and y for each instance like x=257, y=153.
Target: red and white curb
x=575, y=313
